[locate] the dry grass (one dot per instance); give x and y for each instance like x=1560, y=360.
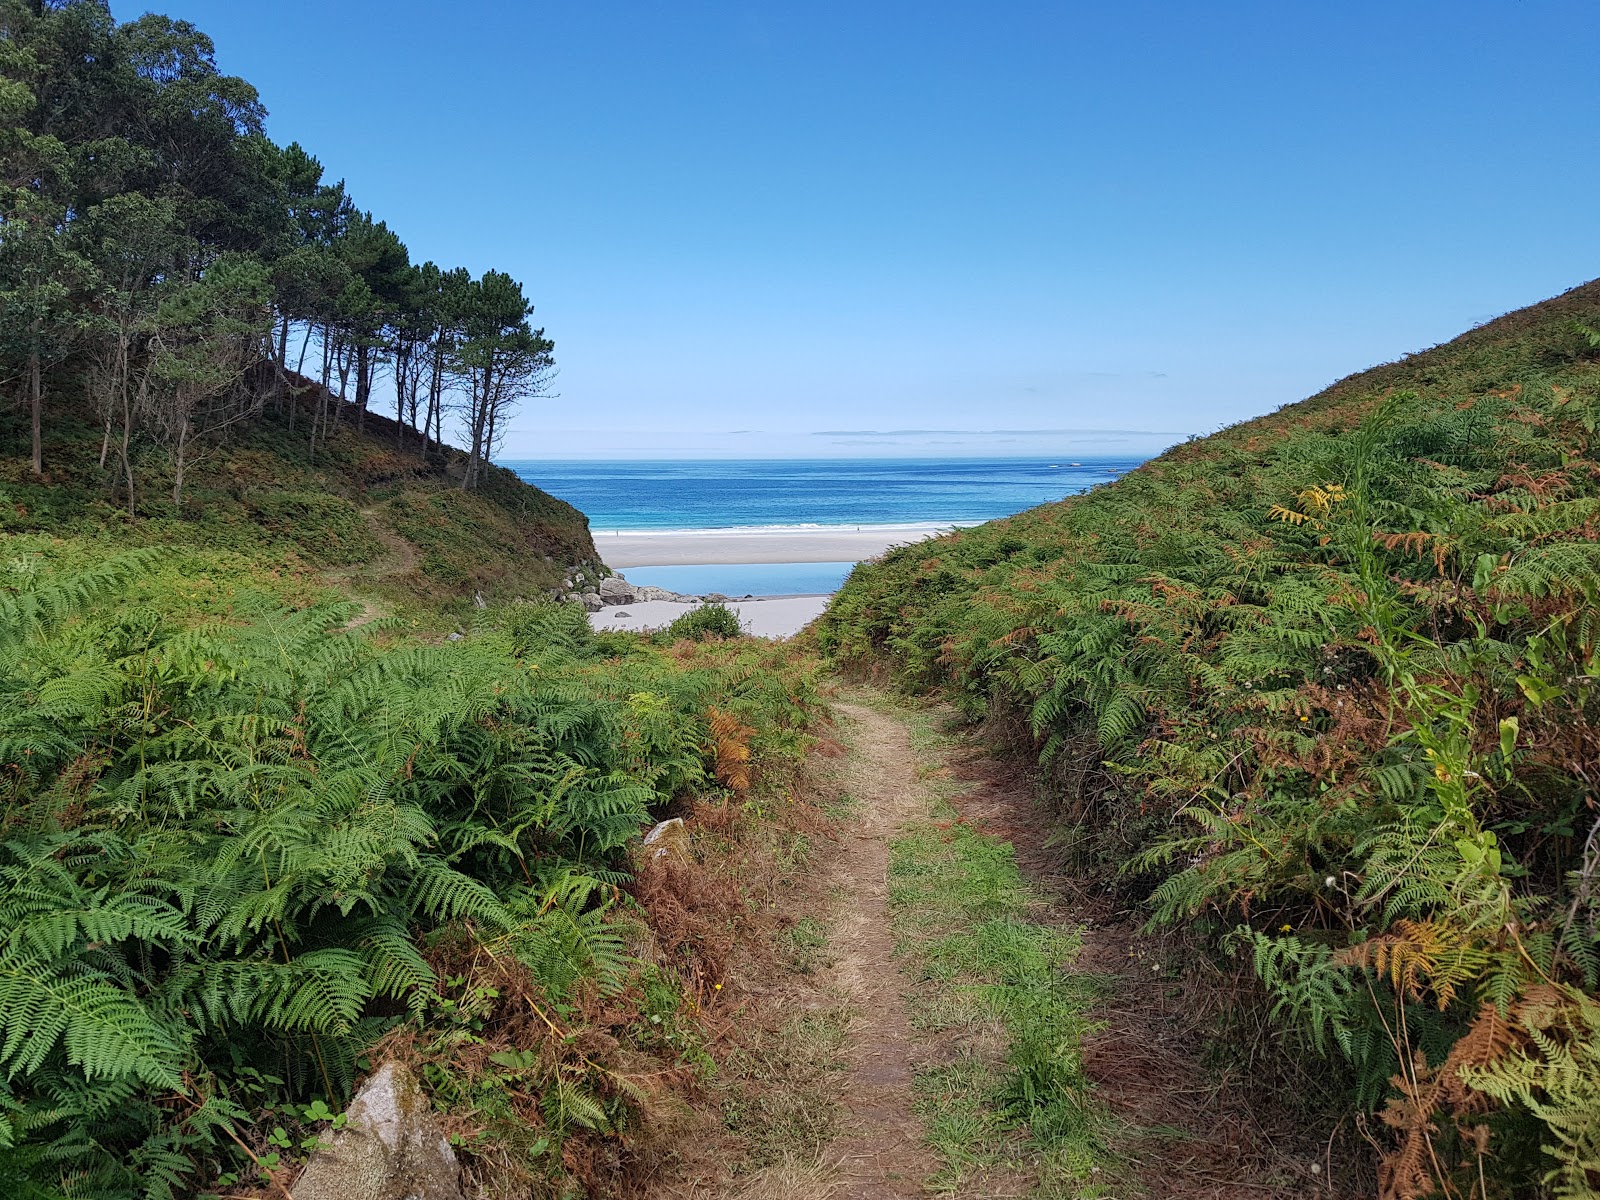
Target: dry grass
x=753, y=916
x=783, y=1102
x=790, y=1180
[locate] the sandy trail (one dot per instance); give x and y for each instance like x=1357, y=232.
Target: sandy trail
x=879, y=1151
x=1181, y=1131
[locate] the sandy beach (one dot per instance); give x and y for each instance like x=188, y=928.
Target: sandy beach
x=773, y=616
x=777, y=617
x=622, y=549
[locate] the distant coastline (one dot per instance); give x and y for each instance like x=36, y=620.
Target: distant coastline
x=784, y=526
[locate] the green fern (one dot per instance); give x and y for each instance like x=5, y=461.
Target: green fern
x=227, y=846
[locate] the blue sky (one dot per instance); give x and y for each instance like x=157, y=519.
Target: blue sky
x=1004, y=228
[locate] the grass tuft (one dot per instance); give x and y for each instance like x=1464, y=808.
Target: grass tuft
x=997, y=981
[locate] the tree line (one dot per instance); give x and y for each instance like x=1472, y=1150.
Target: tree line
x=163, y=261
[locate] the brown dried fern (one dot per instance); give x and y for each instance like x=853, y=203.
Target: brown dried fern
x=730, y=749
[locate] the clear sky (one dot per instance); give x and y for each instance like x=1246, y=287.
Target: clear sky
x=1017, y=227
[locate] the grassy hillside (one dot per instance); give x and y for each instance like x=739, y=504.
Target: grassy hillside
x=241, y=860
x=253, y=841
x=364, y=512
x=1318, y=690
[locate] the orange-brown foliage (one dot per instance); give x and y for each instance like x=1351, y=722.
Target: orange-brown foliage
x=730, y=749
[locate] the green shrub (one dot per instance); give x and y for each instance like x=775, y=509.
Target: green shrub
x=706, y=621
x=328, y=529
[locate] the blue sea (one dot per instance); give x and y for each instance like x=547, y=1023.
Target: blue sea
x=713, y=494
x=724, y=494
x=745, y=579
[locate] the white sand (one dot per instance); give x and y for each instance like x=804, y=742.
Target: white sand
x=620, y=549
x=779, y=617
x=776, y=617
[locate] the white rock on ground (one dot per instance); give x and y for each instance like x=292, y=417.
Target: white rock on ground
x=390, y=1148
x=669, y=840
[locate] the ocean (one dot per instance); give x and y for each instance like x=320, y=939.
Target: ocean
x=745, y=579
x=724, y=494
x=639, y=496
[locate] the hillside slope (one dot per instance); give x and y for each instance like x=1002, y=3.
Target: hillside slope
x=367, y=510
x=255, y=845
x=1316, y=690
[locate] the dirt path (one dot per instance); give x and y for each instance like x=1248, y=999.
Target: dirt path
x=400, y=560
x=1177, y=1127
x=879, y=1151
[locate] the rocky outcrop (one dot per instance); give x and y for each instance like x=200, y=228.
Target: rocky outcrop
x=641, y=594
x=390, y=1148
x=613, y=590
x=596, y=588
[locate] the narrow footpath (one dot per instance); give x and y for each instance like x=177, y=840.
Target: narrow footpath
x=880, y=1149
x=949, y=939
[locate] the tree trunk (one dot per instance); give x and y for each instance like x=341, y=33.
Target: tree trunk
x=177, y=474
x=36, y=409
x=341, y=363
x=438, y=405
x=363, y=384
x=493, y=406
x=282, y=387
x=127, y=433
x=435, y=386
x=401, y=363
x=414, y=393
x=318, y=410
x=105, y=439
x=299, y=370
x=438, y=420
x=474, y=433
x=480, y=416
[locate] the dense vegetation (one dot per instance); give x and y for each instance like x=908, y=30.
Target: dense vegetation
x=256, y=835
x=1321, y=689
x=169, y=272
x=168, y=277
x=391, y=524
x=237, y=853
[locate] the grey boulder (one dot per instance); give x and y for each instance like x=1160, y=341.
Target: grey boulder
x=390, y=1148
x=641, y=594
